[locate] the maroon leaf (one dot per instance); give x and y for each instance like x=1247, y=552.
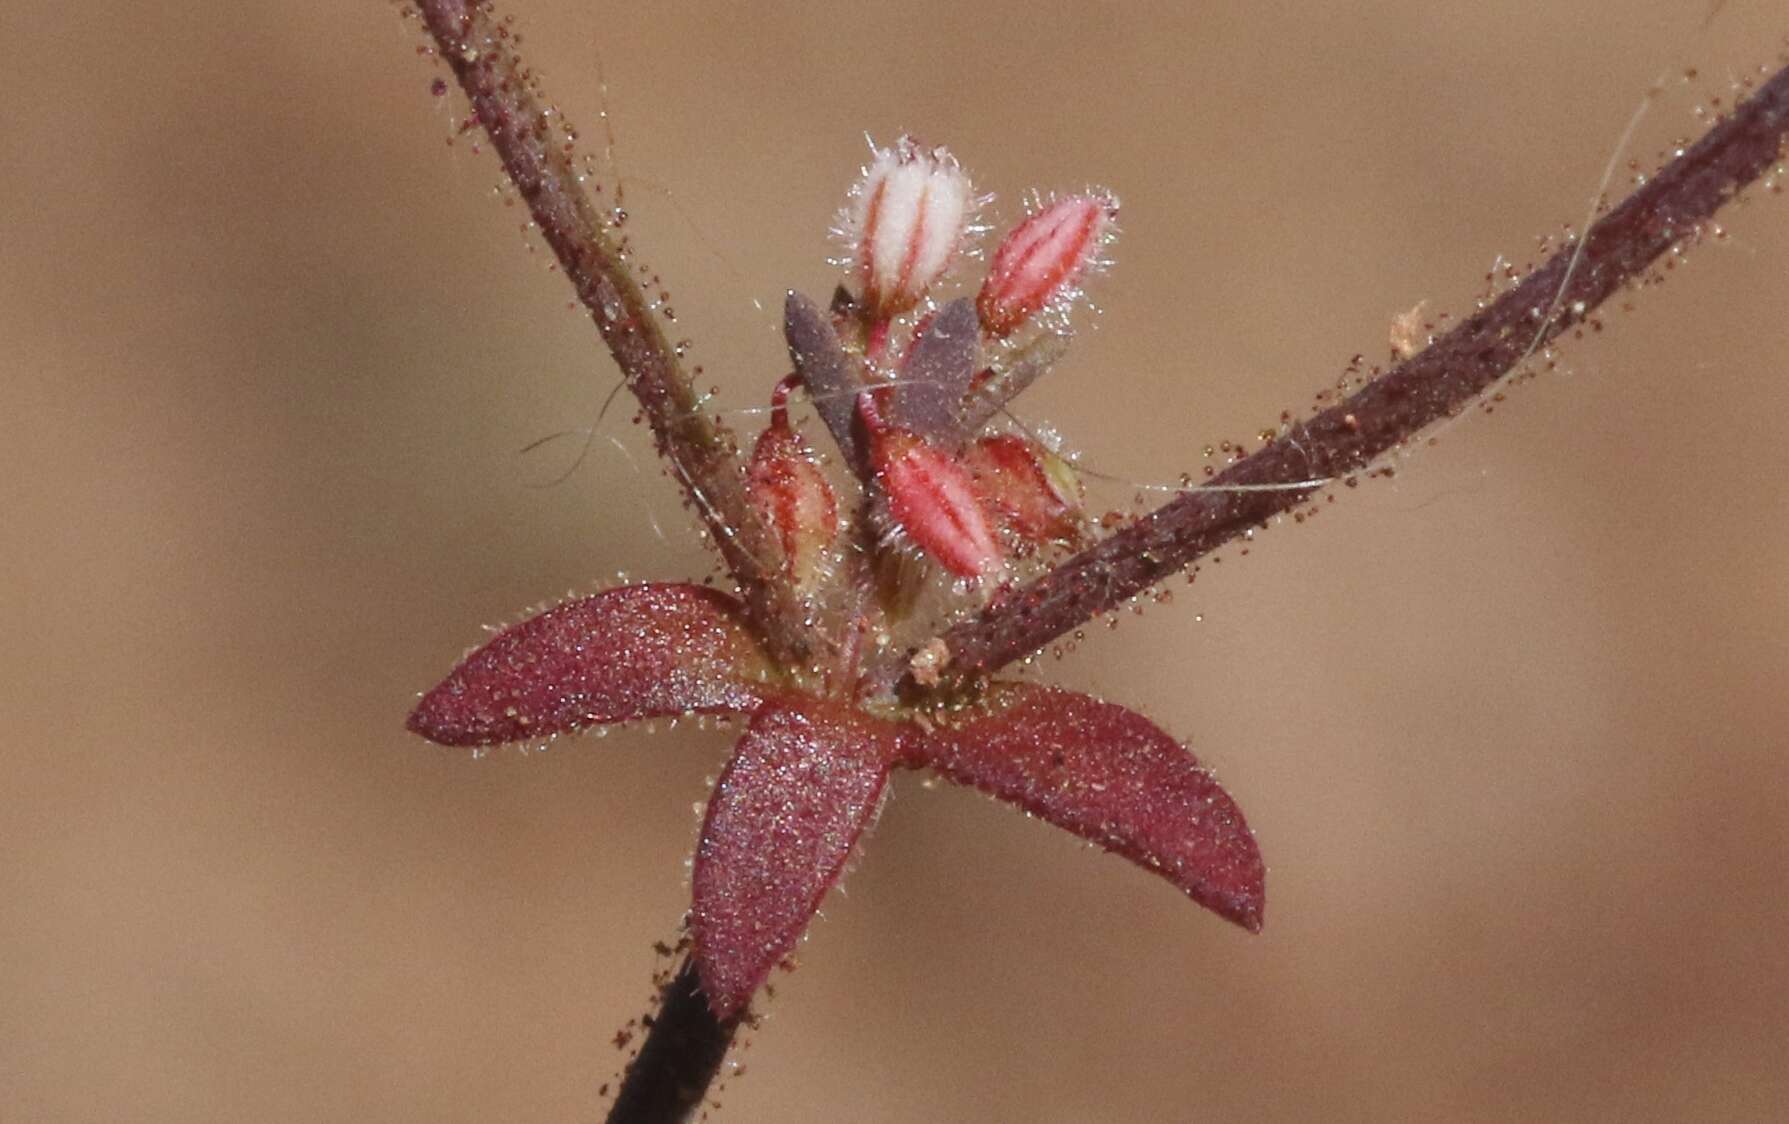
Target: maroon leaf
x=804, y=781
x=635, y=652
x=1111, y=776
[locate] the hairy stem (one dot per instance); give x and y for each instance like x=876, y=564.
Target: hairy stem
x=684, y=1047
x=701, y=453
x=1389, y=410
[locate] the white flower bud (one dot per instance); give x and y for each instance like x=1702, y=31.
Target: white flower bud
x=906, y=223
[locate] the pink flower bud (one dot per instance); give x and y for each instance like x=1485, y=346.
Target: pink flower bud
x=905, y=224
x=1041, y=260
x=1035, y=491
x=932, y=497
x=791, y=495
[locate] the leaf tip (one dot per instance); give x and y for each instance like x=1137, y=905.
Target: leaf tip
x=436, y=718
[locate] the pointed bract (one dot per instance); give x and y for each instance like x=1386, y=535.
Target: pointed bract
x=640, y=651
x=805, y=780
x=927, y=398
x=1113, y=777
x=831, y=377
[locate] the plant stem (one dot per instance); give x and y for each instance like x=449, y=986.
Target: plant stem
x=684, y=1047
x=685, y=1044
x=1391, y=409
x=536, y=154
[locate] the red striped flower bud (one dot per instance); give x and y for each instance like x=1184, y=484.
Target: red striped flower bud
x=1041, y=261
x=791, y=494
x=1035, y=492
x=931, y=497
x=905, y=224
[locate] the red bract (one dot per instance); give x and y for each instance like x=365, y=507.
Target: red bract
x=808, y=774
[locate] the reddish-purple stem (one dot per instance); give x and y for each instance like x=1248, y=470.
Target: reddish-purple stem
x=701, y=453
x=1392, y=408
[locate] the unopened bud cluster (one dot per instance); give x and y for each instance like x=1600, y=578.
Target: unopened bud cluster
x=908, y=382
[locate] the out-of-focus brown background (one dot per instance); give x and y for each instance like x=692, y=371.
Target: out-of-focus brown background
x=1511, y=728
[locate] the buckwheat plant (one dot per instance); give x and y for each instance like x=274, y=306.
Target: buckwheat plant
x=881, y=586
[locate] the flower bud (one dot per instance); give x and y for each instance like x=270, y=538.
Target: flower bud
x=1035, y=492
x=905, y=224
x=931, y=497
x=1041, y=260
x=791, y=495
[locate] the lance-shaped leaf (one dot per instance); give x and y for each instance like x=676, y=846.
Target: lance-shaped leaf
x=804, y=782
x=636, y=652
x=928, y=396
x=1113, y=777
x=831, y=376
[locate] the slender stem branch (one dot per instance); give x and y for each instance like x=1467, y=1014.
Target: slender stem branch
x=701, y=452
x=684, y=1047
x=686, y=1044
x=1391, y=409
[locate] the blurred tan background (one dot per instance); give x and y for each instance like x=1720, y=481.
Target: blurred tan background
x=1511, y=728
